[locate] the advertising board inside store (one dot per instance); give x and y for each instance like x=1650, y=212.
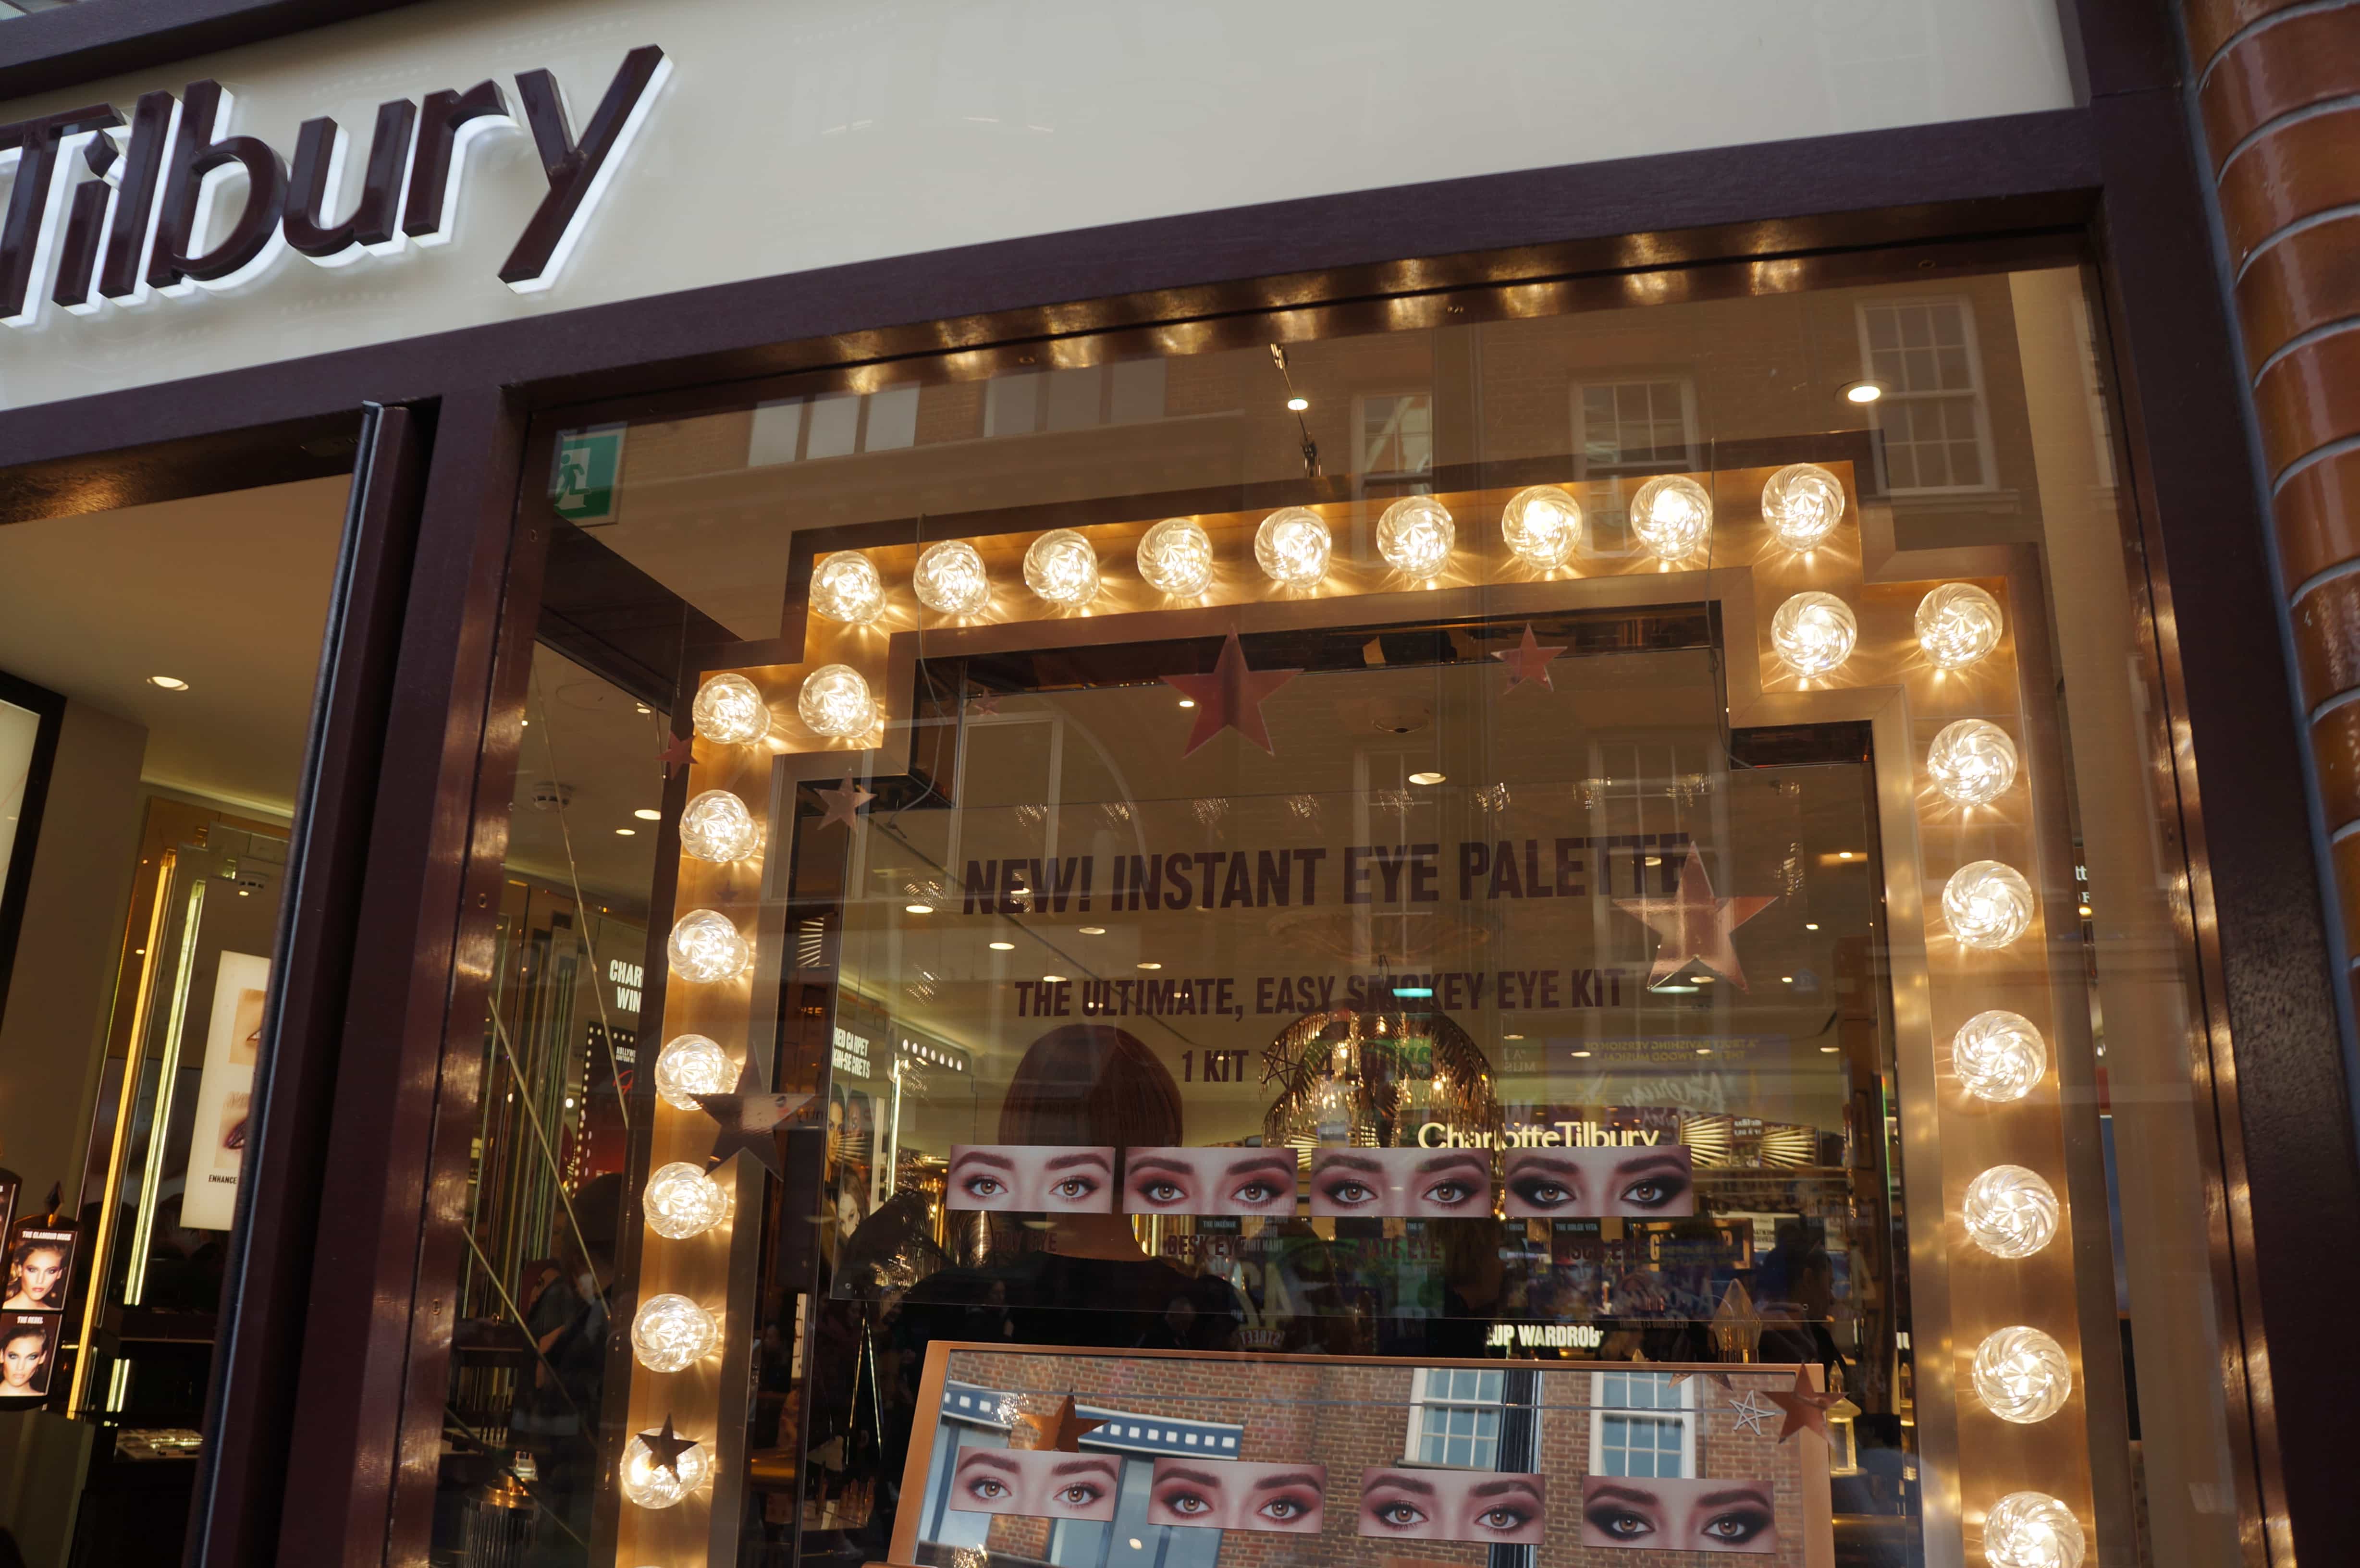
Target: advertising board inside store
x=1527, y=839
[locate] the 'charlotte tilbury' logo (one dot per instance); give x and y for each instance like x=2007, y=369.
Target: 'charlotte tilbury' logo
x=106, y=210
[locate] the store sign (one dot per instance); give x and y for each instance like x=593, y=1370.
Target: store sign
x=109, y=209
x=851, y=1054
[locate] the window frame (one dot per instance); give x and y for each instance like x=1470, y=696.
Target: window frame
x=1877, y=411
x=1685, y=1416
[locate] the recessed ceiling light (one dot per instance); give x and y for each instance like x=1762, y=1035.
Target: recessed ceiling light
x=641, y=707
x=1053, y=979
x=1786, y=979
x=1151, y=966
x=169, y=682
x=1844, y=855
x=1655, y=860
x=627, y=833
x=1093, y=930
x=1826, y=1050
x=1425, y=778
x=1003, y=947
x=919, y=908
x=1810, y=925
x=1704, y=1050
x=1297, y=405
x=1862, y=392
x=648, y=814
x=1188, y=702
x=1511, y=1036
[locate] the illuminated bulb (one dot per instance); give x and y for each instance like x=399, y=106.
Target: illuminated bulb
x=1957, y=623
x=1541, y=525
x=1176, y=558
x=704, y=946
x=950, y=579
x=1414, y=536
x=652, y=1486
x=1292, y=546
x=2022, y=1376
x=690, y=1065
x=673, y=1331
x=2033, y=1530
x=717, y=827
x=1999, y=1056
x=835, y=703
x=1971, y=762
x=1988, y=905
x=1671, y=515
x=1803, y=503
x=681, y=1200
x=1814, y=633
x=2011, y=1211
x=1062, y=568
x=729, y=710
x=846, y=587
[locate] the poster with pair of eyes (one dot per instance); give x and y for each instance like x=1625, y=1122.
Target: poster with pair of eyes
x=40, y=1267
x=28, y=1354
x=1358, y=1461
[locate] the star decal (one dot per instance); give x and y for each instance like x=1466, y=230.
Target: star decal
x=750, y=1118
x=1751, y=1413
x=843, y=801
x=678, y=751
x=1695, y=925
x=1722, y=1378
x=1528, y=661
x=667, y=1447
x=1231, y=698
x=1805, y=1407
x=1061, y=1428
x=984, y=702
x=1285, y=1065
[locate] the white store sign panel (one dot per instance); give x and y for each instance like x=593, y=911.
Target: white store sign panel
x=490, y=161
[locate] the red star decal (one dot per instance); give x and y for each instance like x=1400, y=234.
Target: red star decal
x=1805, y=1407
x=1231, y=698
x=1528, y=661
x=678, y=751
x=1695, y=925
x=842, y=803
x=1060, y=1430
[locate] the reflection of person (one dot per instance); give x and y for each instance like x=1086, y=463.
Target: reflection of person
x=1220, y=1494
x=1438, y=1183
x=1028, y=1179
x=1634, y=1183
x=1677, y=1516
x=23, y=1361
x=1208, y=1181
x=36, y=1276
x=1043, y=1483
x=1452, y=1504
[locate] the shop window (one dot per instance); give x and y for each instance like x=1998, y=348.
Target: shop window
x=1642, y=1423
x=796, y=430
x=1936, y=428
x=1624, y=433
x=1079, y=398
x=1455, y=1418
x=1393, y=448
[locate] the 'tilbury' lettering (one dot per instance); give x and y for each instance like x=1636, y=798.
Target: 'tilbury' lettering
x=142, y=219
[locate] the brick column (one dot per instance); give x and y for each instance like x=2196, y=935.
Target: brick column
x=2279, y=96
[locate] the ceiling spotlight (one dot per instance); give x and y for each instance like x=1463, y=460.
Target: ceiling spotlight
x=627, y=833
x=1863, y=391
x=1093, y=930
x=1844, y=855
x=1826, y=1050
x=1053, y=979
x=169, y=682
x=1786, y=979
x=919, y=908
x=1151, y=966
x=1188, y=702
x=1810, y=925
x=1297, y=405
x=1002, y=946
x=1581, y=1053
x=1511, y=1036
x=648, y=814
x=1425, y=778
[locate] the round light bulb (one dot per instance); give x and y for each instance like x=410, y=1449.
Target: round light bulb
x=1176, y=558
x=690, y=1065
x=717, y=827
x=1062, y=568
x=681, y=1200
x=1987, y=904
x=2022, y=1376
x=1814, y=633
x=1292, y=546
x=1542, y=525
x=950, y=579
x=1957, y=623
x=1999, y=1056
x=652, y=1486
x=1414, y=536
x=729, y=710
x=706, y=946
x=1971, y=762
x=2033, y=1530
x=669, y=1333
x=1672, y=516
x=835, y=703
x=2011, y=1211
x=846, y=587
x=1803, y=503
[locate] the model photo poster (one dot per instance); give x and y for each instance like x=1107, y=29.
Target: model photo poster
x=226, y=1093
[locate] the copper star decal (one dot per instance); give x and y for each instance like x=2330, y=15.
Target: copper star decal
x=1231, y=698
x=678, y=751
x=984, y=702
x=1805, y=1407
x=1060, y=1430
x=666, y=1447
x=1751, y=1413
x=1695, y=925
x=1528, y=661
x=750, y=1118
x=843, y=801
